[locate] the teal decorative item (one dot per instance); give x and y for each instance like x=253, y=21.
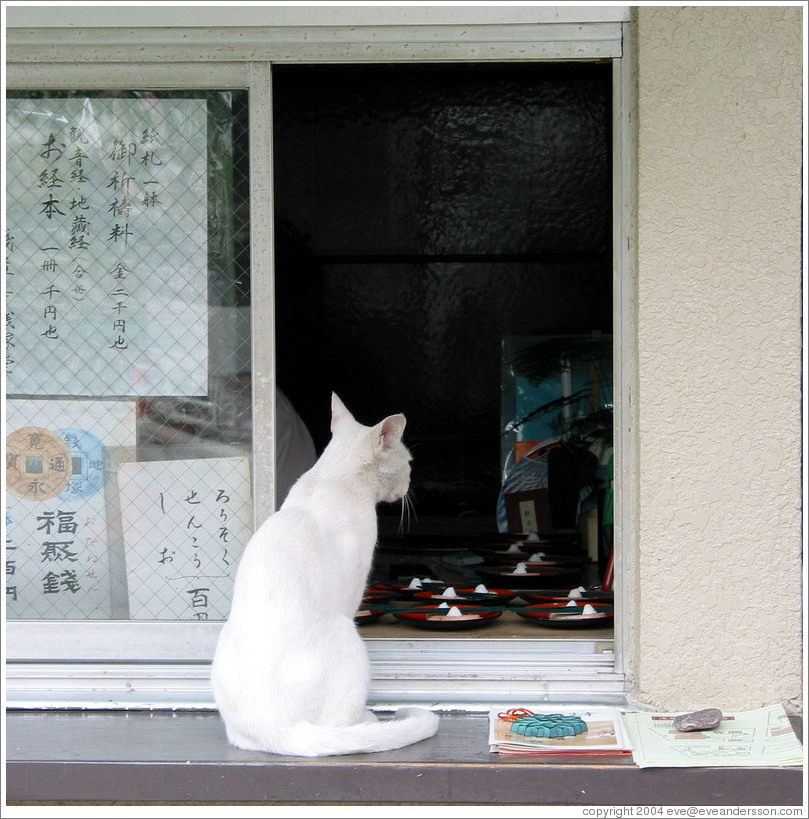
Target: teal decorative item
x=549, y=725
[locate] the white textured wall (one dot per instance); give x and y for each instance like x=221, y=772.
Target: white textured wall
x=717, y=554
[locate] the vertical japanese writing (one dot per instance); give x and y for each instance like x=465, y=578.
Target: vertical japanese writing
x=184, y=531
x=223, y=499
x=79, y=208
x=106, y=251
x=92, y=543
x=50, y=182
x=120, y=184
x=118, y=306
x=204, y=543
x=150, y=142
x=133, y=163
x=58, y=552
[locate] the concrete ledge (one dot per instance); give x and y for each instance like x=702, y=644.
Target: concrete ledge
x=165, y=757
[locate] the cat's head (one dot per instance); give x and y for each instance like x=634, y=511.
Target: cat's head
x=380, y=457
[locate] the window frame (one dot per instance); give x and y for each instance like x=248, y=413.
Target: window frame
x=126, y=664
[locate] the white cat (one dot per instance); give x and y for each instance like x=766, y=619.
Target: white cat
x=291, y=674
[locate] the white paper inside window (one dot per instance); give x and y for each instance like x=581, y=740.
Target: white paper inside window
x=60, y=527
x=185, y=524
x=106, y=247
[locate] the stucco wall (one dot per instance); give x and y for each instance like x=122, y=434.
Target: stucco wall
x=717, y=554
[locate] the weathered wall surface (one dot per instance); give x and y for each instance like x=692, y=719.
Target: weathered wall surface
x=717, y=610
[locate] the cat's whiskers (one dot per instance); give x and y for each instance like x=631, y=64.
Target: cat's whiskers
x=408, y=508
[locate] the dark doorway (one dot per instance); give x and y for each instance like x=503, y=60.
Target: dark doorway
x=423, y=213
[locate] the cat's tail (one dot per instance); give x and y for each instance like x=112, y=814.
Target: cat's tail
x=409, y=725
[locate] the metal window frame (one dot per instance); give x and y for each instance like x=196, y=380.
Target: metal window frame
x=125, y=664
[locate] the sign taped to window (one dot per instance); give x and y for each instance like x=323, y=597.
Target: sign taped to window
x=106, y=246
x=58, y=546
x=185, y=525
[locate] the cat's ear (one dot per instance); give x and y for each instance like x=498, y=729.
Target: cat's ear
x=338, y=411
x=389, y=432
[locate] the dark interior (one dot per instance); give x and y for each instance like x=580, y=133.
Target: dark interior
x=422, y=214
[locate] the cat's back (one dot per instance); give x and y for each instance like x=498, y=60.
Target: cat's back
x=276, y=560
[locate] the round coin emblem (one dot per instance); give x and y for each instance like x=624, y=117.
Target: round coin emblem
x=87, y=456
x=38, y=463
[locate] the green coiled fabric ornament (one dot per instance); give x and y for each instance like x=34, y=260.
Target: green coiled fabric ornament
x=549, y=725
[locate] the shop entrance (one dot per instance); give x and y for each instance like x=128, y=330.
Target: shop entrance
x=426, y=217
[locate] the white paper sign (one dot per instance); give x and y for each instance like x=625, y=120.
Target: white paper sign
x=106, y=247
x=185, y=526
x=57, y=545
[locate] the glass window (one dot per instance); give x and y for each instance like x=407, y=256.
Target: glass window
x=128, y=371
x=441, y=221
